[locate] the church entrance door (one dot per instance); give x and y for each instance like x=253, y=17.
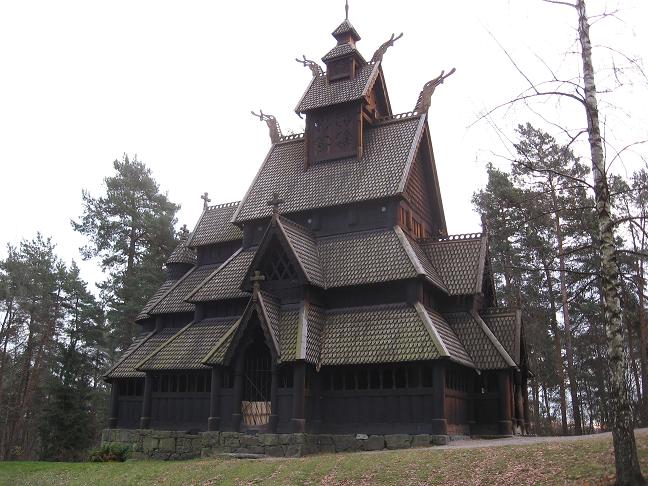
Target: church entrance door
x=257, y=380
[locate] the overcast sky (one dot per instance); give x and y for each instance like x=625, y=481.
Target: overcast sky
x=174, y=82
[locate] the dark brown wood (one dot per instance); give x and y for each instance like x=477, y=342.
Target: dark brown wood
x=213, y=423
x=333, y=133
x=274, y=402
x=114, y=406
x=505, y=426
x=145, y=419
x=299, y=388
x=238, y=393
x=439, y=422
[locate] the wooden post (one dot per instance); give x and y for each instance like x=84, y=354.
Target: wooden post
x=274, y=403
x=145, y=419
x=299, y=391
x=505, y=426
x=439, y=422
x=238, y=393
x=213, y=422
x=114, y=405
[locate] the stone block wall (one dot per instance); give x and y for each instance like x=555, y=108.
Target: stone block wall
x=170, y=445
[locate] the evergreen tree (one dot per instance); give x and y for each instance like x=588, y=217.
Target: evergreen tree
x=131, y=230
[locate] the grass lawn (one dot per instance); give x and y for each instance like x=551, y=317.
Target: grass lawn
x=588, y=462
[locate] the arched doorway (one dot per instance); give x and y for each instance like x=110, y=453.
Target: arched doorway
x=257, y=383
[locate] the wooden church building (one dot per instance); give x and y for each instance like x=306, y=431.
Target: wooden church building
x=330, y=299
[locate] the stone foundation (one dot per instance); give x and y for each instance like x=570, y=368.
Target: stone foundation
x=171, y=445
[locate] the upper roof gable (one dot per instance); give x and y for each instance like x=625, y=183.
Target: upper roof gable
x=214, y=226
x=300, y=246
x=320, y=93
x=388, y=151
x=460, y=260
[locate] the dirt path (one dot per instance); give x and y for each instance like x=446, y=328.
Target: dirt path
x=518, y=440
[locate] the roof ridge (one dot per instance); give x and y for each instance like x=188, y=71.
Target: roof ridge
x=391, y=305
x=292, y=137
x=397, y=117
x=455, y=237
x=223, y=205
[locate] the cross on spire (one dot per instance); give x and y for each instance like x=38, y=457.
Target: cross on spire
x=184, y=231
x=206, y=200
x=275, y=202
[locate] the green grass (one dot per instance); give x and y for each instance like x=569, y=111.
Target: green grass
x=583, y=462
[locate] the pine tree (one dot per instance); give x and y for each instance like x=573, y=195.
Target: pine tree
x=131, y=230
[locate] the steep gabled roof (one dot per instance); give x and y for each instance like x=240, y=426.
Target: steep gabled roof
x=506, y=325
x=320, y=93
x=389, y=149
x=460, y=261
x=214, y=226
x=125, y=367
x=174, y=299
x=185, y=350
x=486, y=351
x=346, y=27
x=224, y=282
x=266, y=307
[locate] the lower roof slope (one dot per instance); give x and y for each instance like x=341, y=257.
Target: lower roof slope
x=185, y=350
x=140, y=349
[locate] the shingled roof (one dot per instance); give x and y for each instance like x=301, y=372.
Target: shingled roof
x=389, y=150
x=506, y=325
x=460, y=261
x=486, y=351
x=186, y=349
x=225, y=281
x=141, y=348
x=182, y=254
x=383, y=334
x=164, y=288
x=320, y=93
x=214, y=226
x=358, y=258
x=174, y=299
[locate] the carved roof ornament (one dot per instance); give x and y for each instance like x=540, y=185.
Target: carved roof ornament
x=206, y=200
x=273, y=125
x=315, y=68
x=275, y=202
x=424, y=99
x=380, y=52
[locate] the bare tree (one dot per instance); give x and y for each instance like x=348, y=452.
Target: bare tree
x=628, y=471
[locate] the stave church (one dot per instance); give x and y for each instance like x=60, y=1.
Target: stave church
x=330, y=299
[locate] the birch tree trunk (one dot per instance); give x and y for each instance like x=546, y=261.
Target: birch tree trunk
x=628, y=471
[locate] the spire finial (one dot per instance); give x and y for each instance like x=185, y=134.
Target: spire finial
x=206, y=200
x=346, y=10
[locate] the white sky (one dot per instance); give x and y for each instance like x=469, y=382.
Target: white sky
x=174, y=82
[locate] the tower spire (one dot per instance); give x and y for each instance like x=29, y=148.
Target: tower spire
x=346, y=10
